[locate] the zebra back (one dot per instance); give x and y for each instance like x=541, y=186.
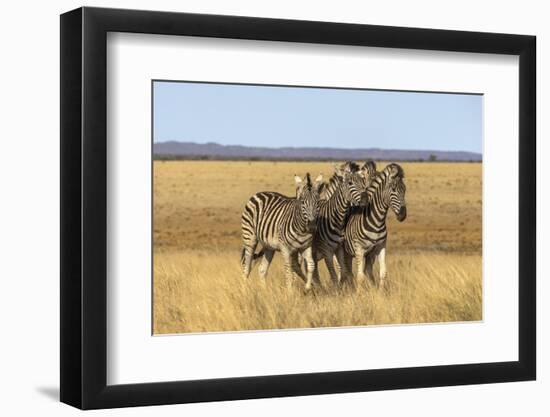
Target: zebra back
x=276, y=221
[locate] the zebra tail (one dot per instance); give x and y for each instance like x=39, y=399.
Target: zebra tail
x=242, y=255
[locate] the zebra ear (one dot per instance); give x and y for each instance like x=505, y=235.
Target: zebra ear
x=396, y=170
x=299, y=185
x=319, y=182
x=339, y=171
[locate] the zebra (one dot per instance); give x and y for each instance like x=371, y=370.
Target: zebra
x=367, y=172
x=366, y=232
x=346, y=189
x=283, y=224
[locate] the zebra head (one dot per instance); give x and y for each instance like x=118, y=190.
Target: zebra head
x=368, y=171
x=307, y=195
x=353, y=183
x=396, y=188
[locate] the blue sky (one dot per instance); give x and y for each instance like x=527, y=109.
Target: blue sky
x=232, y=114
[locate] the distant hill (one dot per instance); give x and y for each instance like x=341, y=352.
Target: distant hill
x=191, y=150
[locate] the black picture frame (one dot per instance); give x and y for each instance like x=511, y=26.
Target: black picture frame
x=84, y=207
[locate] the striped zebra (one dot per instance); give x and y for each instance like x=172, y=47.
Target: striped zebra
x=366, y=232
x=367, y=172
x=283, y=224
x=346, y=189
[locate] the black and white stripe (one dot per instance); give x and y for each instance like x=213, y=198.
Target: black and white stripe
x=283, y=224
x=347, y=190
x=366, y=231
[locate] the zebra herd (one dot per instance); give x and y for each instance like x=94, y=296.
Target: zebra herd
x=344, y=219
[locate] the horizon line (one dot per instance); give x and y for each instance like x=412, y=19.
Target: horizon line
x=315, y=147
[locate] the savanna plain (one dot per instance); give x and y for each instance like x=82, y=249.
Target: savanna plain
x=433, y=257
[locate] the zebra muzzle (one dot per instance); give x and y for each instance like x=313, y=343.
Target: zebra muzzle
x=402, y=215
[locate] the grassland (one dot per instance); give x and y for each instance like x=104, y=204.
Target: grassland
x=434, y=257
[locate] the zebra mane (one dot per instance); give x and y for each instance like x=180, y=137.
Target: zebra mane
x=308, y=180
x=370, y=167
x=351, y=166
x=380, y=178
x=329, y=188
x=334, y=178
x=397, y=167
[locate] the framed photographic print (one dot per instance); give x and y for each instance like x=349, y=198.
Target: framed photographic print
x=257, y=207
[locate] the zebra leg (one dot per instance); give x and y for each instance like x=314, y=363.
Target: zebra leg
x=289, y=259
x=301, y=261
x=265, y=262
x=337, y=267
x=315, y=255
x=348, y=262
x=246, y=258
x=371, y=258
x=302, y=265
x=316, y=277
x=344, y=261
x=308, y=255
x=360, y=259
x=332, y=271
x=382, y=266
x=296, y=268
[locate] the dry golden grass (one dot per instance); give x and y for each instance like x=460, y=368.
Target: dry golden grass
x=434, y=257
x=197, y=293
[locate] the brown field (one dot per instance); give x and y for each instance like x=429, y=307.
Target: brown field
x=434, y=257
